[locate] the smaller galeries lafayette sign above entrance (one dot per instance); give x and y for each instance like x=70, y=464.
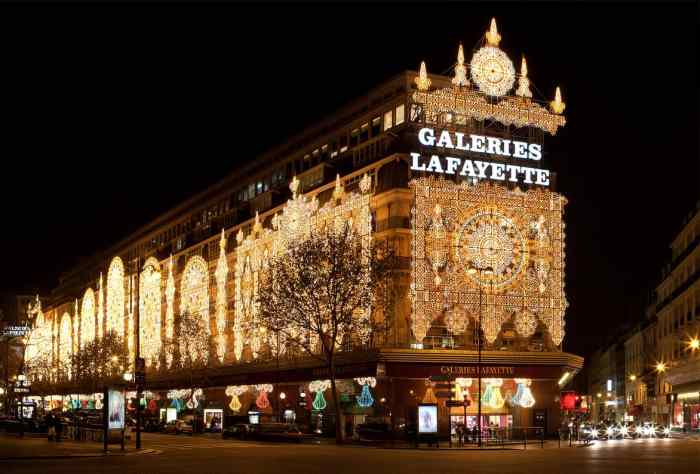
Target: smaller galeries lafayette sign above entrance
x=508, y=149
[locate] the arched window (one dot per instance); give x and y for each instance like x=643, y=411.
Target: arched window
x=149, y=309
x=65, y=344
x=87, y=318
x=194, y=300
x=115, y=297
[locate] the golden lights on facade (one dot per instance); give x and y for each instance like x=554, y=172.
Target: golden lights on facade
x=115, y=297
x=499, y=254
x=150, y=311
x=194, y=296
x=87, y=318
x=221, y=304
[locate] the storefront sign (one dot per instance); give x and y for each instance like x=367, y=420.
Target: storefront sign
x=447, y=140
x=15, y=331
x=473, y=371
x=408, y=370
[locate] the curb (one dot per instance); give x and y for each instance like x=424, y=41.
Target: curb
x=86, y=455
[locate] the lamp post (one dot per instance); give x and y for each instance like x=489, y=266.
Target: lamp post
x=488, y=271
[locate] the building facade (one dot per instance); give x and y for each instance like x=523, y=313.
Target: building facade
x=448, y=169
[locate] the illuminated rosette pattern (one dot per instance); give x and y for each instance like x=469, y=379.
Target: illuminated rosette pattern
x=262, y=401
x=365, y=399
x=525, y=323
x=318, y=387
x=523, y=394
x=457, y=319
x=235, y=391
x=492, y=395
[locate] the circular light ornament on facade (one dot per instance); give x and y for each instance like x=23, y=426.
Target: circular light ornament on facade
x=492, y=71
x=491, y=245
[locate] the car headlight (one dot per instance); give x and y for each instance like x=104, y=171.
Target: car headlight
x=610, y=431
x=667, y=431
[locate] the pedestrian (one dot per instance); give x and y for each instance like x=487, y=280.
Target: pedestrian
x=474, y=433
x=51, y=426
x=59, y=428
x=460, y=434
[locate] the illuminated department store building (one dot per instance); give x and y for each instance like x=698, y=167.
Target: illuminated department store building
x=452, y=169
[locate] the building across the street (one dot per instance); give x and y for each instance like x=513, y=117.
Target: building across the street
x=452, y=170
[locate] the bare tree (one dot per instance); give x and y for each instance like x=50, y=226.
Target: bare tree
x=326, y=294
x=99, y=361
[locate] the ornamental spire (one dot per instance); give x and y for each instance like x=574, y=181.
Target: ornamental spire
x=523, y=81
x=460, y=78
x=339, y=190
x=492, y=36
x=422, y=81
x=222, y=241
x=557, y=105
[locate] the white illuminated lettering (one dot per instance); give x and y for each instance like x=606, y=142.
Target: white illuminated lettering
x=534, y=151
x=528, y=172
x=460, y=142
x=427, y=136
x=452, y=164
x=520, y=149
x=478, y=143
x=493, y=146
x=445, y=140
x=415, y=165
x=435, y=165
x=506, y=147
x=481, y=166
x=542, y=177
x=497, y=171
x=468, y=169
x=513, y=170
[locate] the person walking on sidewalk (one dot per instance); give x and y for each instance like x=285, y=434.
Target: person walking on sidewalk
x=59, y=427
x=51, y=425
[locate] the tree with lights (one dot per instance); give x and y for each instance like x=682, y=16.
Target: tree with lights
x=328, y=293
x=100, y=360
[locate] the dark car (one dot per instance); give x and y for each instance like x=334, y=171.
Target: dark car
x=238, y=431
x=276, y=432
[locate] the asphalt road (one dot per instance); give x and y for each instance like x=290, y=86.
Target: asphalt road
x=198, y=455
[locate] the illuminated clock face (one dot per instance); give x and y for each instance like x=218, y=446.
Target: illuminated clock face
x=492, y=71
x=491, y=249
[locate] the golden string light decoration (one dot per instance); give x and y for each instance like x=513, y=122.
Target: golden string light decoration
x=87, y=318
x=65, y=346
x=505, y=256
x=423, y=81
x=194, y=298
x=150, y=311
x=169, y=310
x=235, y=391
x=460, y=78
x=221, y=305
x=115, y=297
x=100, y=307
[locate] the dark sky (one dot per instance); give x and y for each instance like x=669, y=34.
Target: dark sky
x=111, y=115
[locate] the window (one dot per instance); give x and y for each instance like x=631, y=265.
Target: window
x=376, y=126
x=400, y=114
x=259, y=187
x=387, y=121
x=364, y=132
x=251, y=190
x=343, y=143
x=355, y=137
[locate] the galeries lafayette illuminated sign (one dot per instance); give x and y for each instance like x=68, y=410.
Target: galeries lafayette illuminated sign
x=475, y=168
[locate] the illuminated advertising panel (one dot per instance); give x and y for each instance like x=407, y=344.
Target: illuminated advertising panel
x=427, y=419
x=115, y=409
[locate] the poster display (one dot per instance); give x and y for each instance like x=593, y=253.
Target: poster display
x=427, y=419
x=115, y=410
x=170, y=415
x=212, y=419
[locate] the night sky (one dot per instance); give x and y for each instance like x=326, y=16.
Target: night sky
x=111, y=115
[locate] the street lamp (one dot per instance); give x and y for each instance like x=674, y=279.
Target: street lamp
x=694, y=344
x=633, y=377
x=660, y=367
x=481, y=271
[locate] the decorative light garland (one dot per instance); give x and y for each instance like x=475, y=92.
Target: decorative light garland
x=318, y=387
x=262, y=401
x=492, y=395
x=523, y=394
x=150, y=311
x=169, y=311
x=235, y=391
x=221, y=304
x=87, y=318
x=194, y=298
x=365, y=399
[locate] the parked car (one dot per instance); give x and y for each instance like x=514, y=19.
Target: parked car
x=277, y=432
x=238, y=431
x=177, y=427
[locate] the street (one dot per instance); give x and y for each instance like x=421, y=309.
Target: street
x=200, y=455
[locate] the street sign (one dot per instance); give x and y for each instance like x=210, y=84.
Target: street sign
x=15, y=331
x=443, y=394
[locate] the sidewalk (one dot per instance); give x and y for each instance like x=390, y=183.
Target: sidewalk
x=33, y=447
x=444, y=445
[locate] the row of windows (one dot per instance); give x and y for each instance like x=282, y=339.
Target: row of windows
x=326, y=152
